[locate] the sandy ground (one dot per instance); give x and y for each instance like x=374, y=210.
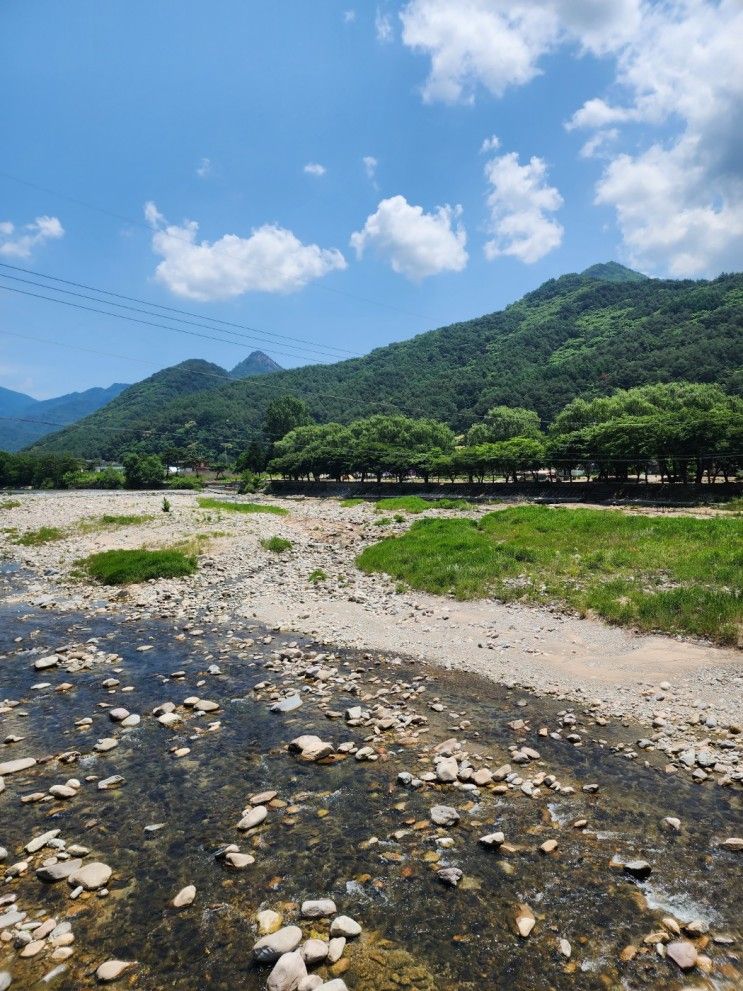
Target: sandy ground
x=693, y=688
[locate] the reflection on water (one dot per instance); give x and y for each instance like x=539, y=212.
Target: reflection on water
x=346, y=831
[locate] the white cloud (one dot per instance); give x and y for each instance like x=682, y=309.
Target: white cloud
x=314, y=168
x=349, y=16
x=272, y=259
x=596, y=145
x=520, y=202
x=490, y=144
x=204, y=168
x=499, y=43
x=416, y=244
x=370, y=166
x=19, y=242
x=383, y=27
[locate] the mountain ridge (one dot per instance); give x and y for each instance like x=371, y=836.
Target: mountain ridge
x=579, y=334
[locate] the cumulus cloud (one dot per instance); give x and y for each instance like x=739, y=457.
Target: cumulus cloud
x=520, y=203
x=19, y=242
x=349, y=16
x=490, y=144
x=272, y=259
x=416, y=244
x=204, y=168
x=499, y=43
x=383, y=27
x=314, y=168
x=370, y=166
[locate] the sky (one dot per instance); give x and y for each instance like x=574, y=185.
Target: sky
x=327, y=177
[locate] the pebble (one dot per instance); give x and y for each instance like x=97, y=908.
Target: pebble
x=683, y=953
x=319, y=908
x=91, y=876
x=112, y=969
x=314, y=951
x=288, y=971
x=184, y=897
x=444, y=815
x=253, y=818
x=268, y=922
x=525, y=921
x=343, y=925
x=14, y=766
x=272, y=946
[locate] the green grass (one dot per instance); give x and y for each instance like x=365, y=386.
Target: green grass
x=317, y=576
x=126, y=567
x=9, y=504
x=415, y=504
x=242, y=507
x=676, y=574
x=733, y=505
x=348, y=503
x=276, y=544
x=383, y=521
x=44, y=535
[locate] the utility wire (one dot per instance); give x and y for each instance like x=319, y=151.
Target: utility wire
x=172, y=309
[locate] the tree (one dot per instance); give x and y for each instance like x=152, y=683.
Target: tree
x=143, y=471
x=283, y=415
x=503, y=423
x=254, y=458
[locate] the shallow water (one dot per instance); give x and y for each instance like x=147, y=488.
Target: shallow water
x=418, y=934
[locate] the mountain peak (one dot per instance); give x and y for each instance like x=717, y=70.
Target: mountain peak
x=257, y=363
x=613, y=272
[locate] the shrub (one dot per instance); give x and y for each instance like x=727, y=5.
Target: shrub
x=186, y=483
x=166, y=505
x=124, y=567
x=317, y=576
x=250, y=482
x=276, y=544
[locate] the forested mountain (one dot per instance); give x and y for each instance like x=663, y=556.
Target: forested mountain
x=28, y=419
x=578, y=335
x=257, y=363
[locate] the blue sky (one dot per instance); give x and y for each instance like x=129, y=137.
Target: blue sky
x=211, y=114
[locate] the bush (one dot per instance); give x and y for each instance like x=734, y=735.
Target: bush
x=276, y=544
x=125, y=567
x=186, y=483
x=250, y=482
x=143, y=471
x=317, y=576
x=106, y=478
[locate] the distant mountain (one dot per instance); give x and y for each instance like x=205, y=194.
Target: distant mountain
x=30, y=419
x=578, y=335
x=257, y=363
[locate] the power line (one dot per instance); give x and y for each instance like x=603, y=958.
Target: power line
x=186, y=240
x=298, y=352
x=172, y=309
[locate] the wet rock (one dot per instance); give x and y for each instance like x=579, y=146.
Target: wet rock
x=565, y=948
x=111, y=970
x=206, y=705
x=336, y=946
x=118, y=714
x=493, y=839
x=734, y=843
x=318, y=908
x=444, y=815
x=271, y=947
x=337, y=984
x=52, y=873
x=683, y=953
x=238, y=861
x=672, y=823
x=288, y=704
x=106, y=744
x=549, y=846
x=253, y=818
x=14, y=766
x=447, y=770
x=5, y=980
x=287, y=973
x=343, y=925
x=185, y=897
x=38, y=842
x=314, y=951
x=310, y=748
x=43, y=663
x=637, y=868
x=525, y=921
x=268, y=922
x=450, y=875
x=92, y=876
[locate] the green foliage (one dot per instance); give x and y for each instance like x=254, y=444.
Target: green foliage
x=503, y=423
x=106, y=478
x=44, y=535
x=383, y=521
x=125, y=567
x=37, y=470
x=350, y=503
x=9, y=504
x=250, y=483
x=677, y=574
x=284, y=414
x=166, y=505
x=579, y=335
x=254, y=458
x=276, y=544
x=415, y=504
x=122, y=520
x=317, y=576
x=242, y=507
x=143, y=471
x=185, y=483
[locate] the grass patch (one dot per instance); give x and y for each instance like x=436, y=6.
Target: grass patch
x=108, y=522
x=383, y=521
x=732, y=506
x=126, y=567
x=317, y=576
x=44, y=535
x=276, y=544
x=415, y=504
x=242, y=507
x=9, y=504
x=348, y=503
x=676, y=574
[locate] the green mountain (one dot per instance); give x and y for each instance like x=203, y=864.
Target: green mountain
x=24, y=419
x=257, y=363
x=578, y=335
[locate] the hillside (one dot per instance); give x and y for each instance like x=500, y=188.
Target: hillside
x=29, y=419
x=257, y=363
x=577, y=335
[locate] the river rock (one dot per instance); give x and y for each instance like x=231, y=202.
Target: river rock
x=637, y=868
x=310, y=983
x=92, y=876
x=253, y=818
x=493, y=839
x=734, y=843
x=336, y=946
x=287, y=973
x=525, y=920
x=238, y=861
x=310, y=748
x=118, y=714
x=319, y=908
x=184, y=897
x=343, y=925
x=450, y=875
x=34, y=845
x=268, y=922
x=106, y=744
x=314, y=951
x=206, y=705
x=683, y=953
x=112, y=969
x=13, y=766
x=50, y=873
x=447, y=770
x=5, y=980
x=444, y=815
x=337, y=984
x=271, y=947
x=288, y=704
